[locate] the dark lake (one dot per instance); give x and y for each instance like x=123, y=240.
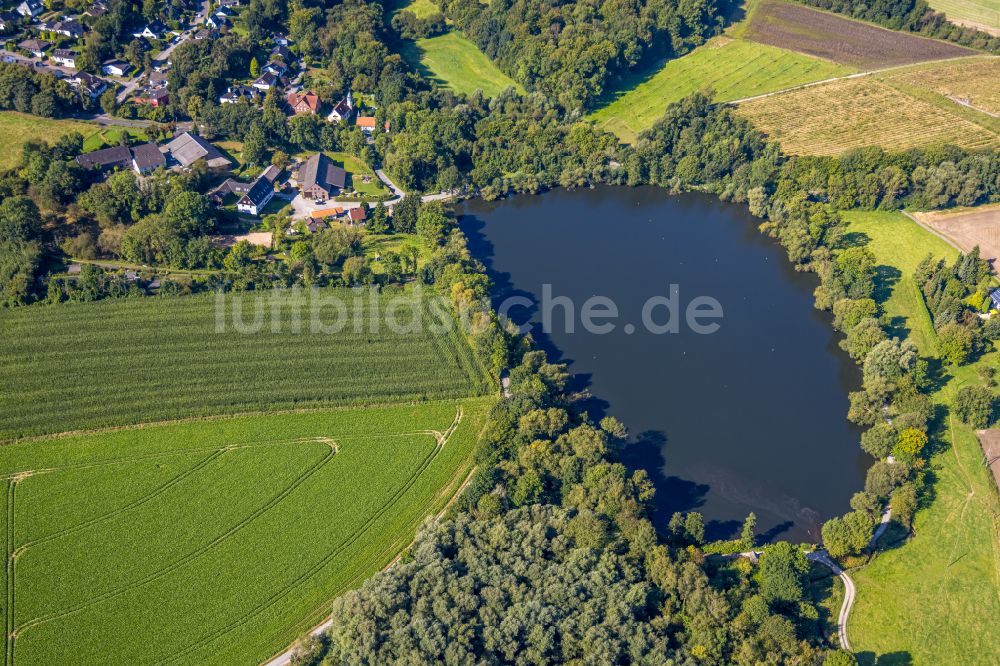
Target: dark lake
x=749, y=418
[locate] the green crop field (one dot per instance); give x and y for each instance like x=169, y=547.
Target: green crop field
x=981, y=13
x=934, y=599
x=16, y=129
x=733, y=69
x=455, y=62
x=215, y=541
x=127, y=361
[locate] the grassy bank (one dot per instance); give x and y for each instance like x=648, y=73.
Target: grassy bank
x=935, y=598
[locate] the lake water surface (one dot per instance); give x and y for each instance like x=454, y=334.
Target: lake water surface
x=749, y=418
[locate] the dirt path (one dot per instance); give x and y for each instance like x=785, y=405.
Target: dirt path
x=849, y=593
x=856, y=75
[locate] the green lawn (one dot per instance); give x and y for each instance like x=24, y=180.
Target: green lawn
x=422, y=8
x=113, y=136
x=733, y=68
x=16, y=129
x=984, y=12
x=215, y=541
x=936, y=598
x=129, y=361
x=455, y=62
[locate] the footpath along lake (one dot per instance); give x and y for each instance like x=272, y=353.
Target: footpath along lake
x=748, y=418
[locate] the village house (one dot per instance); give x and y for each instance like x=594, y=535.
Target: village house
x=35, y=47
x=116, y=157
x=281, y=53
x=147, y=157
x=116, y=67
x=229, y=3
x=189, y=148
x=217, y=22
x=89, y=85
x=30, y=8
x=154, y=97
x=235, y=93
x=303, y=102
x=319, y=178
x=152, y=30
x=64, y=57
x=96, y=10
x=342, y=110
x=357, y=215
x=260, y=193
x=206, y=33
x=224, y=12
x=366, y=124
x=69, y=28
x=265, y=82
x=276, y=67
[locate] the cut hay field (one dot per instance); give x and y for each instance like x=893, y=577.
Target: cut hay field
x=127, y=361
x=982, y=14
x=215, y=541
x=934, y=599
x=455, y=62
x=843, y=40
x=16, y=129
x=968, y=228
x=972, y=81
x=832, y=118
x=732, y=68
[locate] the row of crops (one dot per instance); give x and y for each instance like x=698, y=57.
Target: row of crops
x=216, y=541
x=119, y=362
x=835, y=117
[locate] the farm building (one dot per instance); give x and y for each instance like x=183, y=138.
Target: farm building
x=147, y=157
x=189, y=148
x=116, y=157
x=319, y=178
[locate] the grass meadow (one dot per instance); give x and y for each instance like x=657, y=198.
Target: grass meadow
x=732, y=69
x=935, y=598
x=455, y=62
x=118, y=362
x=215, y=541
x=16, y=129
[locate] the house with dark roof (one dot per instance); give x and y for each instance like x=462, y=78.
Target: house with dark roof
x=88, y=85
x=64, y=57
x=152, y=30
x=265, y=81
x=147, y=157
x=189, y=148
x=30, y=8
x=235, y=93
x=257, y=197
x=319, y=178
x=70, y=28
x=342, y=110
x=152, y=97
x=116, y=157
x=35, y=47
x=116, y=67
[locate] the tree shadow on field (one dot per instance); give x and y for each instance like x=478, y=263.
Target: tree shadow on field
x=900, y=658
x=886, y=279
x=854, y=239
